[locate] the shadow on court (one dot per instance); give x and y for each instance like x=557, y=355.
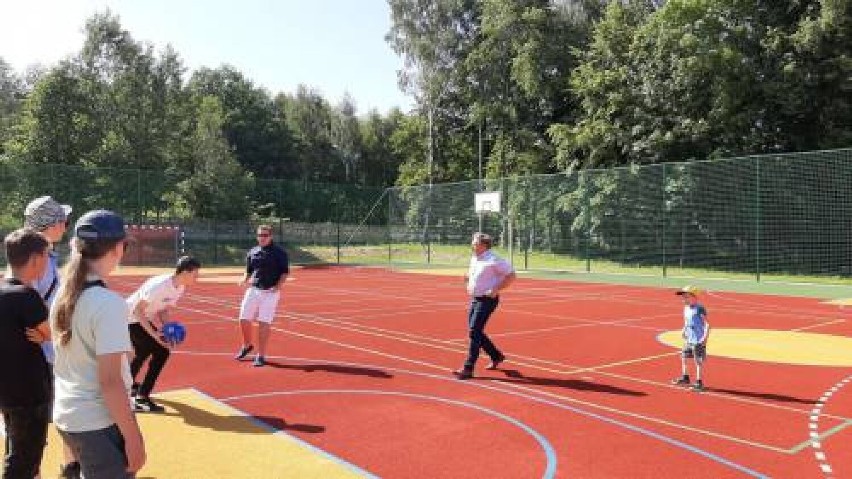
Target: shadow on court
x=767, y=396
x=332, y=368
x=196, y=417
x=516, y=377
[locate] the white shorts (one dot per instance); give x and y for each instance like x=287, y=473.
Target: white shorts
x=259, y=304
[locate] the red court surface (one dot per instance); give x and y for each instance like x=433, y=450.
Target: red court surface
x=360, y=363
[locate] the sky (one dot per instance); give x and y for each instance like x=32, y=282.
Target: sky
x=333, y=46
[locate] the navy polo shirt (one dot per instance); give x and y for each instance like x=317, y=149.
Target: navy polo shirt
x=265, y=265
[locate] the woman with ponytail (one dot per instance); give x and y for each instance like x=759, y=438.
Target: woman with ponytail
x=92, y=376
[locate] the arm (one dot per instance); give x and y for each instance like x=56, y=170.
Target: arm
x=39, y=334
x=140, y=311
x=507, y=280
x=284, y=264
x=115, y=397
x=706, y=332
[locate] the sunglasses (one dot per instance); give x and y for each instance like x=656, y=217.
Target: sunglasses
x=263, y=235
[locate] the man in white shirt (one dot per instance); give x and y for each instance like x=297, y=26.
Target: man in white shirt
x=487, y=275
x=149, y=308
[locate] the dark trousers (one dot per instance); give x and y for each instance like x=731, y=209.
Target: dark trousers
x=481, y=308
x=144, y=347
x=26, y=436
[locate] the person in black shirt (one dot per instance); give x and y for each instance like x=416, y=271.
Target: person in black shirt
x=24, y=373
x=267, y=268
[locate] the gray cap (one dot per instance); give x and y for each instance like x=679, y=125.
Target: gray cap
x=100, y=225
x=44, y=212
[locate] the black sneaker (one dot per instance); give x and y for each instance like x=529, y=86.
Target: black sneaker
x=259, y=361
x=243, y=352
x=70, y=471
x=142, y=404
x=681, y=381
x=495, y=363
x=698, y=386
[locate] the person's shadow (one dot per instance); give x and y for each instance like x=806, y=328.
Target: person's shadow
x=332, y=368
x=767, y=396
x=234, y=422
x=516, y=377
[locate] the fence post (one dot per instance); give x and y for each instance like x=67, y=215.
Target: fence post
x=389, y=232
x=757, y=222
x=663, y=224
x=587, y=205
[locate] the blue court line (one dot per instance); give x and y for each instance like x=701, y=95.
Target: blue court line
x=638, y=429
x=550, y=454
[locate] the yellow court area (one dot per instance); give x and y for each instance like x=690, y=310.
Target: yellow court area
x=840, y=302
x=786, y=347
x=198, y=437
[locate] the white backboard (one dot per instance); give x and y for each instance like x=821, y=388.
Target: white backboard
x=487, y=202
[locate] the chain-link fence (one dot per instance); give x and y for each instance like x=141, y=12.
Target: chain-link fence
x=776, y=214
x=762, y=215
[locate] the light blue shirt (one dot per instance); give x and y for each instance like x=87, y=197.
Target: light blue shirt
x=42, y=285
x=694, y=322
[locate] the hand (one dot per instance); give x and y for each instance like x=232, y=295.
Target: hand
x=34, y=336
x=134, y=448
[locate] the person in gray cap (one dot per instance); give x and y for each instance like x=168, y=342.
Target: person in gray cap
x=89, y=326
x=50, y=218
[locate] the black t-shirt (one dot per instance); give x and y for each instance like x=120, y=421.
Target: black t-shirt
x=24, y=373
x=266, y=265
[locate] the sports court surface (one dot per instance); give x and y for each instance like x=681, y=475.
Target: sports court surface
x=359, y=385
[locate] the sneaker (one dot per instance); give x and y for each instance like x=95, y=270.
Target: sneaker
x=698, y=386
x=70, y=471
x=243, y=352
x=681, y=381
x=142, y=404
x=259, y=361
x=463, y=373
x=495, y=363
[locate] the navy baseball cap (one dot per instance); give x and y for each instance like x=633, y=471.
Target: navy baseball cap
x=100, y=225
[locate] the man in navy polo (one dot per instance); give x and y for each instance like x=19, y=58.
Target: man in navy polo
x=267, y=268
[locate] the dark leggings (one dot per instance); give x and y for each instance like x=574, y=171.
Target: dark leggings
x=144, y=346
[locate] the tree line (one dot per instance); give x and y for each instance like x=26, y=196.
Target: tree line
x=502, y=87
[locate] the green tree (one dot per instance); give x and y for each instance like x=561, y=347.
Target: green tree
x=218, y=187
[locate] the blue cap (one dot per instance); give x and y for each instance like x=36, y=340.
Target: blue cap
x=100, y=225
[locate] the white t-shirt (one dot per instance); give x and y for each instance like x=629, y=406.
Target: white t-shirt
x=486, y=271
x=159, y=292
x=98, y=327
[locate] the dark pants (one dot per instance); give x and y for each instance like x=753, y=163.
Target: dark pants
x=481, y=308
x=144, y=347
x=26, y=436
x=100, y=452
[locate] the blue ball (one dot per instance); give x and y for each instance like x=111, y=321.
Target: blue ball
x=174, y=332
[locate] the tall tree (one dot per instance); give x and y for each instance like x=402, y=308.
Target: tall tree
x=218, y=187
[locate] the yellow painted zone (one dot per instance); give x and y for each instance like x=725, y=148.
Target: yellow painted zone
x=786, y=347
x=200, y=437
x=840, y=302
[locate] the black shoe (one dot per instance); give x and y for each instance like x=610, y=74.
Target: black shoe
x=143, y=404
x=495, y=363
x=463, y=373
x=681, y=381
x=70, y=471
x=259, y=361
x=698, y=386
x=243, y=352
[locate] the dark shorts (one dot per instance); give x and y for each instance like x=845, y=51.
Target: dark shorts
x=101, y=453
x=697, y=351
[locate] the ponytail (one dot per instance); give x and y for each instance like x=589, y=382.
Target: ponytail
x=73, y=280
